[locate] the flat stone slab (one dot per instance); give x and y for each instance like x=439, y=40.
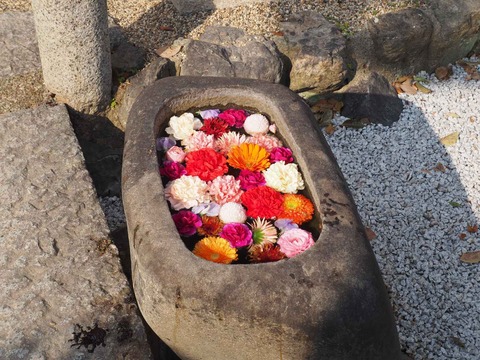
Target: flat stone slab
x=58, y=268
x=18, y=44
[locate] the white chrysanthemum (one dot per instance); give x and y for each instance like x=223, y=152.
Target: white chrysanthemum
x=284, y=178
x=232, y=212
x=228, y=140
x=256, y=124
x=186, y=192
x=181, y=127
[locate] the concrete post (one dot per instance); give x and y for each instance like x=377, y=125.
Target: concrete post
x=74, y=51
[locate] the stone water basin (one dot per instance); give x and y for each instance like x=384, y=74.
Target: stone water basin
x=329, y=302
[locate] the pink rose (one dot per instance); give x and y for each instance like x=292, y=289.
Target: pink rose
x=281, y=154
x=237, y=234
x=295, y=241
x=234, y=117
x=186, y=222
x=172, y=170
x=176, y=154
x=250, y=179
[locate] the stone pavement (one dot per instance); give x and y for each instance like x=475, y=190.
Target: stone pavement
x=58, y=266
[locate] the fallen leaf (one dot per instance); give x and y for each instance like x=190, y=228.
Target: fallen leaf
x=452, y=115
x=166, y=28
x=422, y=88
x=472, y=229
x=408, y=87
x=474, y=76
x=404, y=78
x=335, y=105
x=321, y=105
x=356, y=124
x=330, y=129
x=462, y=236
x=370, y=234
x=425, y=171
x=170, y=51
x=421, y=78
x=469, y=69
x=454, y=203
x=443, y=72
x=398, y=87
x=471, y=257
x=278, y=33
x=450, y=139
x=324, y=117
x=440, y=167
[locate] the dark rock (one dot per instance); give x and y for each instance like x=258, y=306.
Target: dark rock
x=128, y=92
x=317, y=52
x=127, y=57
x=328, y=303
x=372, y=97
x=229, y=52
x=402, y=37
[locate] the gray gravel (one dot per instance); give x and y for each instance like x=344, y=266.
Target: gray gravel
x=407, y=203
x=113, y=210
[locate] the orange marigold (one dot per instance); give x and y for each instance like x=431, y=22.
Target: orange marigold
x=215, y=249
x=211, y=226
x=297, y=208
x=249, y=157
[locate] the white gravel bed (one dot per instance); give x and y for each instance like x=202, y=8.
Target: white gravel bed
x=113, y=209
x=408, y=204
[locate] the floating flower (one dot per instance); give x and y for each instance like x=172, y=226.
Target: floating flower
x=284, y=177
x=208, y=114
x=209, y=209
x=273, y=128
x=285, y=224
x=225, y=189
x=198, y=140
x=164, y=143
x=238, y=235
x=249, y=157
x=295, y=241
x=281, y=154
x=206, y=164
x=269, y=142
x=228, y=140
x=175, y=154
x=262, y=202
x=183, y=126
x=297, y=208
x=211, y=226
x=250, y=179
x=263, y=231
x=186, y=191
x=265, y=253
x=186, y=222
x=232, y=212
x=215, y=249
x=256, y=124
x=234, y=117
x=216, y=127
x=172, y=170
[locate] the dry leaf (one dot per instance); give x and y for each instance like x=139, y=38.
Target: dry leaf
x=398, y=87
x=404, y=78
x=462, y=236
x=408, y=87
x=335, y=105
x=472, y=229
x=439, y=167
x=170, y=51
x=370, y=234
x=278, y=33
x=166, y=28
x=474, y=76
x=330, y=129
x=356, y=124
x=443, y=72
x=422, y=88
x=450, y=139
x=452, y=115
x=471, y=257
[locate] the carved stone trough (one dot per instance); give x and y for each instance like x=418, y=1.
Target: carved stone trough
x=329, y=302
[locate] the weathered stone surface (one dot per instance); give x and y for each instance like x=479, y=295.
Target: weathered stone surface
x=189, y=6
x=317, y=51
x=125, y=56
x=75, y=51
x=128, y=93
x=18, y=45
x=51, y=225
x=402, y=37
x=229, y=52
x=327, y=303
x=372, y=97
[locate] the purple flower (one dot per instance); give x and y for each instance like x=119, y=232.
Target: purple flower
x=281, y=154
x=285, y=225
x=210, y=209
x=164, y=143
x=209, y=114
x=237, y=234
x=234, y=117
x=186, y=222
x=172, y=170
x=250, y=179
